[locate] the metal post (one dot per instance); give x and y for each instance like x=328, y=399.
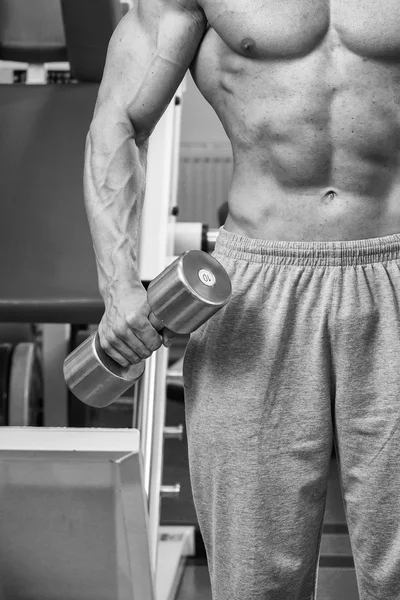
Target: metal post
x=151, y=411
x=146, y=418
x=55, y=343
x=157, y=453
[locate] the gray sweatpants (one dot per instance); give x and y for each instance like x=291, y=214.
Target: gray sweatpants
x=306, y=352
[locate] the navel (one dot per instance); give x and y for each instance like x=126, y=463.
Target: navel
x=330, y=195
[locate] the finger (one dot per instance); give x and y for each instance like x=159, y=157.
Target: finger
x=115, y=347
x=136, y=345
x=167, y=334
x=144, y=332
x=168, y=337
x=119, y=351
x=155, y=322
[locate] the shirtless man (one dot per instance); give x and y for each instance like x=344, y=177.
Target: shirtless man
x=307, y=351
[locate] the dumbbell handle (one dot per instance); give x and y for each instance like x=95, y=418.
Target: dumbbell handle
x=158, y=326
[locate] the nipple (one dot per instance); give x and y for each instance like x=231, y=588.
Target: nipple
x=248, y=45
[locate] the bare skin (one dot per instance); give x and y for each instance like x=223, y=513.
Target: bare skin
x=308, y=92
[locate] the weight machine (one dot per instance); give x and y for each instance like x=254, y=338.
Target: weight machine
x=142, y=559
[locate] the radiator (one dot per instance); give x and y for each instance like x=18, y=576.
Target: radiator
x=205, y=173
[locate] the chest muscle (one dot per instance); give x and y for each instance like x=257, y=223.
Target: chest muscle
x=290, y=28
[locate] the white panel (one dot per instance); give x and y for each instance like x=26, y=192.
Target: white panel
x=69, y=439
x=156, y=228
x=204, y=181
x=74, y=519
x=175, y=544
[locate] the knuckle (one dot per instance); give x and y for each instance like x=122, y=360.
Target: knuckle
x=147, y=353
x=122, y=361
x=136, y=359
x=134, y=320
x=155, y=344
x=119, y=331
x=105, y=344
x=112, y=341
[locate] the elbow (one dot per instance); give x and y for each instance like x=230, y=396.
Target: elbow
x=141, y=127
x=113, y=121
x=141, y=136
x=144, y=110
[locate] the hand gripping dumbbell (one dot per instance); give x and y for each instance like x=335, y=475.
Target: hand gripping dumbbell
x=185, y=295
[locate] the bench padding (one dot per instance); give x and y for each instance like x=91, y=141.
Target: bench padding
x=47, y=267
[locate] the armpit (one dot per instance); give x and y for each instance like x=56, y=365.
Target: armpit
x=190, y=6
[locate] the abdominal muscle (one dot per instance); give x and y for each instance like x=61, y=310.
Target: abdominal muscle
x=263, y=211
x=315, y=142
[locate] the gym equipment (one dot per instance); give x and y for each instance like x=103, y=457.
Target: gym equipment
x=21, y=387
x=195, y=236
x=24, y=38
x=175, y=390
x=185, y=295
x=55, y=284
x=87, y=45
x=25, y=393
x=6, y=351
x=76, y=516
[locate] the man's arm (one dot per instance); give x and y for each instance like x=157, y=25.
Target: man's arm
x=148, y=56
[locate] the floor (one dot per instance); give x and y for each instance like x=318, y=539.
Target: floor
x=333, y=583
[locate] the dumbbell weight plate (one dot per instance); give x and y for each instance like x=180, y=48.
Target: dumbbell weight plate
x=25, y=390
x=206, y=277
x=189, y=291
x=6, y=351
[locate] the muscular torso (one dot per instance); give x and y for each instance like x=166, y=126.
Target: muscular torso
x=308, y=92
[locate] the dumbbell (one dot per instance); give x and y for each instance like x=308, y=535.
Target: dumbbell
x=182, y=297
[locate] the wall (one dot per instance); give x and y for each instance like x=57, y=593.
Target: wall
x=200, y=124
x=205, y=160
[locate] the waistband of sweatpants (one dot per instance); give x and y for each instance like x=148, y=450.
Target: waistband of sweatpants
x=330, y=254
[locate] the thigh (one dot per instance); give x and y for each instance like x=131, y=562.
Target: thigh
x=367, y=415
x=258, y=412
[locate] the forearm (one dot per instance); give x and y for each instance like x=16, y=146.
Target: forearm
x=114, y=177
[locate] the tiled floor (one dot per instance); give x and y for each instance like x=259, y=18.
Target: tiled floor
x=333, y=584
x=195, y=583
